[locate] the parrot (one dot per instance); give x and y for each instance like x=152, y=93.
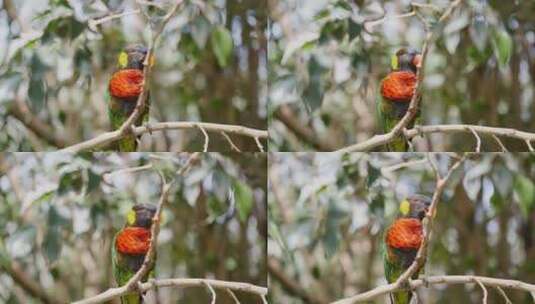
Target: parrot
x=396, y=91
x=124, y=88
x=402, y=240
x=130, y=246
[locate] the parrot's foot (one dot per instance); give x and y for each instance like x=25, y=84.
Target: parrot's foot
x=149, y=127
x=425, y=281
x=419, y=130
x=407, y=140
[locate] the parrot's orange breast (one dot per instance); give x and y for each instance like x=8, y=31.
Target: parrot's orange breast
x=125, y=84
x=405, y=234
x=399, y=86
x=133, y=240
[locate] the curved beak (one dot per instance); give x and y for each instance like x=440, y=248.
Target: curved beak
x=417, y=61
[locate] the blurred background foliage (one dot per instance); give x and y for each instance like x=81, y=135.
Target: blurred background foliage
x=327, y=213
x=327, y=58
x=60, y=212
x=55, y=64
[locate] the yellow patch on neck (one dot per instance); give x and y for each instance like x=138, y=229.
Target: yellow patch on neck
x=131, y=217
x=405, y=207
x=123, y=59
x=394, y=62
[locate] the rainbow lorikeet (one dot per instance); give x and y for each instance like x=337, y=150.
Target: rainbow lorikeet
x=130, y=246
x=397, y=89
x=124, y=88
x=402, y=241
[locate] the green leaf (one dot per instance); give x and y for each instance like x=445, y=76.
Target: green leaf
x=70, y=180
x=37, y=93
x=52, y=244
x=222, y=45
x=93, y=180
x=313, y=93
x=354, y=29
x=503, y=46
x=63, y=27
x=200, y=30
x=525, y=190
x=244, y=200
x=373, y=175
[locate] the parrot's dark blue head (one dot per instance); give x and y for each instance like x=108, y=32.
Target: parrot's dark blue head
x=406, y=59
x=415, y=206
x=132, y=57
x=141, y=215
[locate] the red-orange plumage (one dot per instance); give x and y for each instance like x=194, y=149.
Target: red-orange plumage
x=405, y=233
x=133, y=240
x=125, y=84
x=399, y=86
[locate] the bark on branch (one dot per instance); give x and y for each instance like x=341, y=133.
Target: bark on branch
x=177, y=283
x=109, y=137
x=436, y=280
x=382, y=139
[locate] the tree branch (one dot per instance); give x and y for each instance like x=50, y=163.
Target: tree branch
x=14, y=270
x=285, y=115
x=44, y=131
x=436, y=280
x=109, y=137
x=381, y=139
x=289, y=284
x=178, y=283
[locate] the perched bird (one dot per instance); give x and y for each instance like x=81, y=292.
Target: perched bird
x=402, y=241
x=130, y=246
x=397, y=89
x=124, y=88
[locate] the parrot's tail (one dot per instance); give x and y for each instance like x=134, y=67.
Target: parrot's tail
x=128, y=144
x=132, y=299
x=398, y=144
x=402, y=297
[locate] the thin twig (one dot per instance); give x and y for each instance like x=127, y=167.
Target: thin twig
x=485, y=292
x=402, y=165
x=212, y=291
x=233, y=296
x=504, y=149
x=504, y=295
x=128, y=170
x=230, y=142
x=530, y=147
x=206, y=139
x=92, y=23
x=478, y=140
x=258, y=144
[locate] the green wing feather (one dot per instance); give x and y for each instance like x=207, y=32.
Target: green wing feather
x=118, y=112
x=393, y=270
x=389, y=114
